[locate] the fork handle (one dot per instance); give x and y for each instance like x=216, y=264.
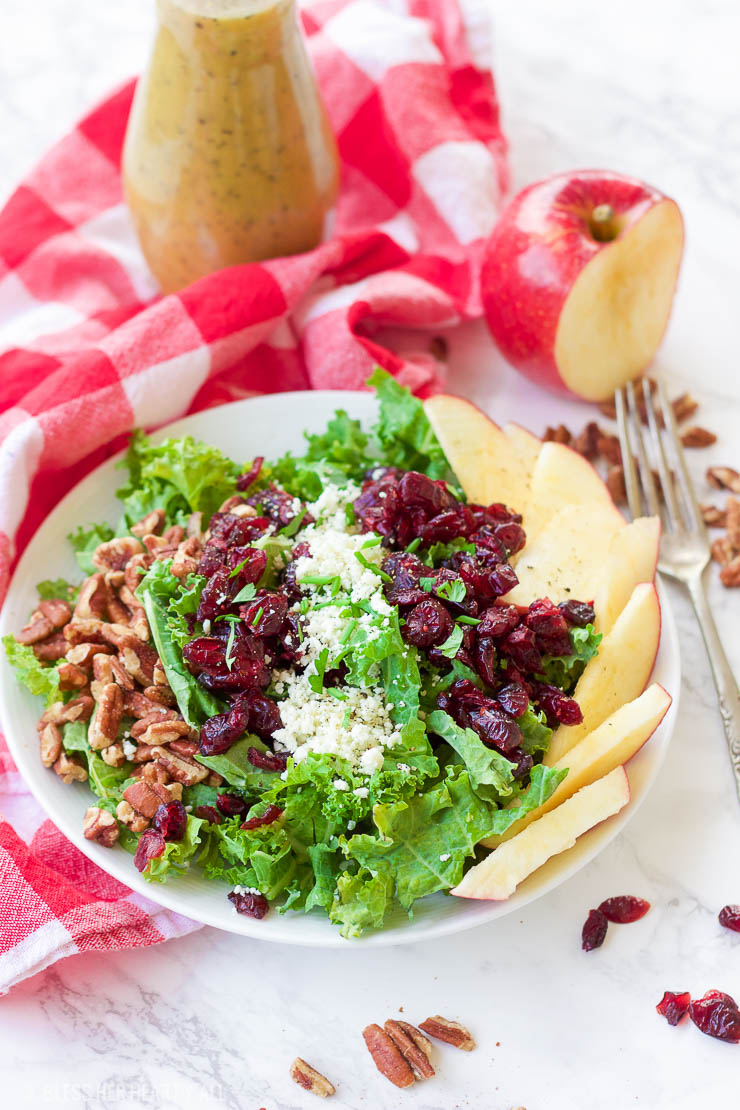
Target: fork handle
x=724, y=680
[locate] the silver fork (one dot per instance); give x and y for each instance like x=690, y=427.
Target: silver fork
x=684, y=546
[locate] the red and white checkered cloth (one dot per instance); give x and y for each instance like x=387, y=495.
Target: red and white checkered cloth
x=89, y=350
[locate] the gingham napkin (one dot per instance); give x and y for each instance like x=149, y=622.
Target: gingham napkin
x=89, y=350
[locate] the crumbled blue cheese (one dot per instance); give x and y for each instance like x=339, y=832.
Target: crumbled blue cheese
x=444, y=857
x=340, y=784
x=357, y=728
x=129, y=748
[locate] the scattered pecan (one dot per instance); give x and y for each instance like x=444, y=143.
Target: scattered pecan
x=214, y=779
x=615, y=484
x=561, y=434
x=39, y=627
x=153, y=772
x=188, y=748
x=587, y=443
x=117, y=611
x=82, y=654
x=98, y=824
x=136, y=704
x=310, y=1079
x=415, y=1048
x=120, y=675
x=732, y=511
x=181, y=769
x=56, y=611
x=730, y=573
x=608, y=446
x=724, y=477
x=128, y=816
x=449, y=1031
x=714, y=517
x=387, y=1057
x=146, y=797
x=722, y=551
x=159, y=547
x=160, y=675
x=91, y=599
x=187, y=556
x=115, y=554
x=50, y=742
x=102, y=669
x=114, y=579
x=136, y=568
x=143, y=753
x=152, y=522
x=165, y=729
x=62, y=713
x=114, y=755
x=160, y=695
x=175, y=789
x=71, y=677
x=85, y=631
x=51, y=649
x=698, y=437
x=608, y=409
x=684, y=407
x=69, y=769
x=138, y=661
x=107, y=720
x=138, y=622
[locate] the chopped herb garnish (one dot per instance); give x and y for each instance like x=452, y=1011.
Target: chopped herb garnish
x=374, y=541
x=258, y=616
x=427, y=584
x=318, y=579
x=291, y=528
x=467, y=620
x=453, y=643
x=414, y=545
x=335, y=692
x=371, y=566
x=246, y=593
x=316, y=681
x=348, y=631
x=453, y=591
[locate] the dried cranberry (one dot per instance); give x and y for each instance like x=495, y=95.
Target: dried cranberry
x=211, y=560
x=523, y=763
x=486, y=660
x=485, y=540
x=231, y=805
x=251, y=562
x=511, y=535
x=267, y=761
x=208, y=813
x=265, y=615
x=729, y=916
x=271, y=814
x=281, y=507
x=244, y=481
x=499, y=621
x=520, y=646
x=171, y=820
x=418, y=491
x=264, y=714
x=217, y=595
x=496, y=728
x=579, y=613
x=442, y=528
x=550, y=627
x=559, y=708
x=151, y=845
x=717, y=1015
x=220, y=732
x=514, y=699
x=378, y=506
x=674, y=1007
x=290, y=638
x=427, y=624
x=624, y=908
x=205, y=654
x=405, y=570
x=594, y=930
x=249, y=903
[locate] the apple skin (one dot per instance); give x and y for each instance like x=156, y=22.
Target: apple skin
x=539, y=247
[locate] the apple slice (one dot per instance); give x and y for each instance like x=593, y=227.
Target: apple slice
x=498, y=876
x=632, y=558
x=612, y=744
x=620, y=671
x=526, y=443
x=567, y=556
x=579, y=277
x=490, y=465
x=561, y=477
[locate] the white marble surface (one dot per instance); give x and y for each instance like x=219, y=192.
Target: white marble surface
x=213, y=1020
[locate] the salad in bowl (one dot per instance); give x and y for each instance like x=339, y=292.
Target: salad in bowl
x=312, y=677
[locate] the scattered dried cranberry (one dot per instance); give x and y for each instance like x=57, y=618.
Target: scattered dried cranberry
x=486, y=658
x=594, y=931
x=514, y=698
x=223, y=730
x=171, y=820
x=499, y=621
x=624, y=908
x=729, y=916
x=496, y=728
x=717, y=1015
x=208, y=813
x=427, y=624
x=151, y=845
x=244, y=481
x=271, y=814
x=251, y=904
x=579, y=613
x=559, y=708
x=521, y=648
x=268, y=761
x=231, y=805
x=674, y=1007
x=265, y=615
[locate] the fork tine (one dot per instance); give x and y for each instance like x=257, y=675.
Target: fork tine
x=628, y=459
x=646, y=474
x=696, y=520
x=666, y=479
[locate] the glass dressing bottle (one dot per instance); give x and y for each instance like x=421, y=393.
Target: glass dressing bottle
x=229, y=156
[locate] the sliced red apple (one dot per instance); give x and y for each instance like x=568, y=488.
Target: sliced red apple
x=579, y=278
x=632, y=558
x=498, y=876
x=490, y=465
x=620, y=671
x=610, y=745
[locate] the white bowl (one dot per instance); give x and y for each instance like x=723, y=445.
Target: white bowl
x=267, y=426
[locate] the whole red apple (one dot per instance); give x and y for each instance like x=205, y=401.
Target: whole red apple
x=578, y=280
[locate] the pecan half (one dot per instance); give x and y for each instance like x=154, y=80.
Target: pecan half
x=387, y=1057
x=107, y=720
x=51, y=649
x=156, y=715
x=166, y=729
x=102, y=669
x=684, y=407
x=50, y=743
x=115, y=554
x=71, y=677
x=714, y=517
x=138, y=661
x=69, y=770
x=139, y=705
x=146, y=797
x=152, y=522
x=722, y=550
x=114, y=755
x=194, y=525
x=730, y=574
x=91, y=599
x=138, y=622
x=152, y=772
x=587, y=443
x=181, y=769
x=38, y=628
x=615, y=484
x=452, y=1032
x=724, y=477
x=310, y=1079
x=88, y=630
x=561, y=434
x=733, y=521
x=160, y=675
x=608, y=446
x=61, y=713
x=82, y=655
x=128, y=816
x=415, y=1048
x=698, y=437
x=161, y=695
x=188, y=748
x=98, y=824
x=136, y=568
